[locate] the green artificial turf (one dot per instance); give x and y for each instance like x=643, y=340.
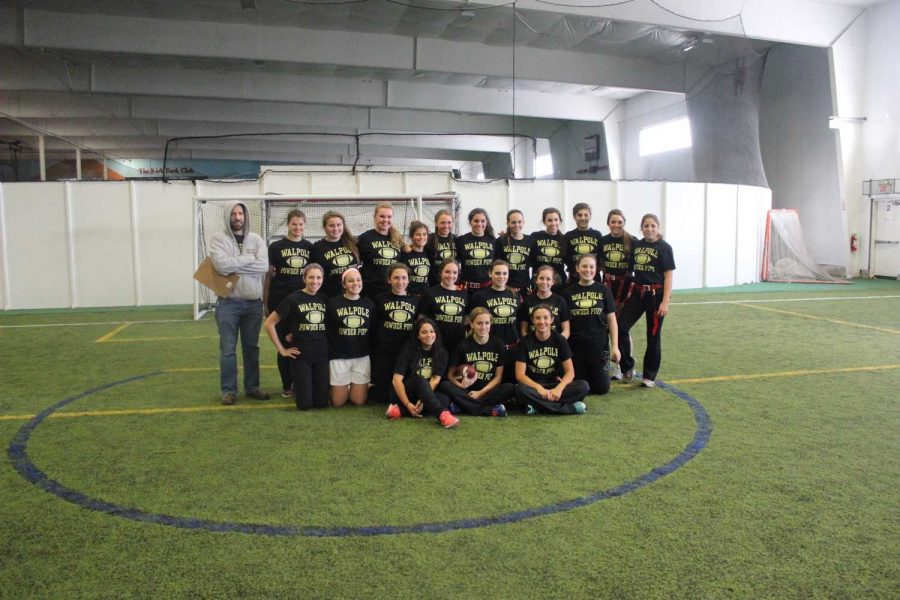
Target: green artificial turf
x=795, y=495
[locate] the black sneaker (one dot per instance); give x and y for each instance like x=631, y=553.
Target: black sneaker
x=258, y=394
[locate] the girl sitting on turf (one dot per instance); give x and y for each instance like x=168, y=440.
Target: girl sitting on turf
x=304, y=310
x=544, y=370
x=418, y=371
x=483, y=392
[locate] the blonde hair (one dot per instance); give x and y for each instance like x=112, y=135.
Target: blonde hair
x=396, y=236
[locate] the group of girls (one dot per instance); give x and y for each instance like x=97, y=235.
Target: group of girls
x=441, y=324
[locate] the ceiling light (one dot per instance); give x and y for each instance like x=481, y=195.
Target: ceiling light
x=836, y=122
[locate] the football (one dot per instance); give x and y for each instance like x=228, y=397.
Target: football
x=466, y=371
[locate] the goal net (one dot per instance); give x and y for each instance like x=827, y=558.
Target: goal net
x=786, y=257
x=268, y=218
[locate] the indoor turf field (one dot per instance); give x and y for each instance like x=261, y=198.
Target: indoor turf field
x=767, y=466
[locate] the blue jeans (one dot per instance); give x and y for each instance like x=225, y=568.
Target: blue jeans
x=233, y=316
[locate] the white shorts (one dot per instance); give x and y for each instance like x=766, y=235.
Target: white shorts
x=344, y=371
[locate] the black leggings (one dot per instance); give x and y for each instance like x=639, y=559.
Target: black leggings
x=591, y=362
x=418, y=388
x=282, y=328
x=499, y=395
x=574, y=392
x=383, y=361
x=311, y=385
x=642, y=304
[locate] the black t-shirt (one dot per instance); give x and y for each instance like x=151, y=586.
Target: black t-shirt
x=445, y=249
x=504, y=307
x=419, y=270
x=550, y=250
x=484, y=357
x=581, y=242
x=557, y=305
x=519, y=254
x=394, y=320
x=589, y=307
x=377, y=254
x=305, y=315
x=448, y=309
x=335, y=258
x=289, y=258
x=543, y=360
x=349, y=326
x=430, y=363
x=615, y=258
x=475, y=255
x=650, y=260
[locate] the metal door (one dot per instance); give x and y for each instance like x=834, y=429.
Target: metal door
x=886, y=238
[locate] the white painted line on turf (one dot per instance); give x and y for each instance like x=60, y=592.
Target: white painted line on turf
x=794, y=313
x=777, y=300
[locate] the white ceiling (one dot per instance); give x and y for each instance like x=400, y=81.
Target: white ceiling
x=122, y=76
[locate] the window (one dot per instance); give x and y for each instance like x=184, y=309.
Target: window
x=543, y=165
x=664, y=137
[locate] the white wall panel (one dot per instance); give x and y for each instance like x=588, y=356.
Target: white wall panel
x=600, y=195
x=380, y=184
x=683, y=230
x=721, y=234
x=427, y=183
x=165, y=241
x=532, y=197
x=289, y=184
x=492, y=197
x=102, y=243
x=637, y=198
x=333, y=184
x=753, y=203
x=212, y=189
x=37, y=243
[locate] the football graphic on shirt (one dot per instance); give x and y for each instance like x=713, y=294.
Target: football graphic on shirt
x=642, y=259
x=451, y=308
x=445, y=253
x=400, y=316
x=504, y=310
x=551, y=251
x=616, y=256
x=585, y=303
x=480, y=253
x=343, y=260
x=296, y=262
x=583, y=249
x=388, y=252
x=515, y=258
x=421, y=270
x=425, y=372
x=482, y=366
x=543, y=362
x=353, y=321
x=315, y=316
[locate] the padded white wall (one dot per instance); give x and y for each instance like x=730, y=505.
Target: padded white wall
x=115, y=243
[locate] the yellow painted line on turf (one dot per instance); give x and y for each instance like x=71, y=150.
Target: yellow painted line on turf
x=815, y=318
x=797, y=373
x=161, y=339
x=112, y=333
x=150, y=411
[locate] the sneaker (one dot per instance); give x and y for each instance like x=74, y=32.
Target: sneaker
x=287, y=394
x=530, y=410
x=229, y=399
x=628, y=376
x=580, y=408
x=258, y=394
x=648, y=383
x=393, y=412
x=615, y=372
x=498, y=411
x=448, y=420
x=454, y=408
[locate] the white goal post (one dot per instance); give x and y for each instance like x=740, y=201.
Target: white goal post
x=268, y=218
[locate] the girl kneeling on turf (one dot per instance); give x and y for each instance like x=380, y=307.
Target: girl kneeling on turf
x=544, y=370
x=482, y=393
x=304, y=310
x=419, y=370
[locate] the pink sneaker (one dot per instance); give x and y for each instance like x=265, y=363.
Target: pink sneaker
x=448, y=420
x=393, y=412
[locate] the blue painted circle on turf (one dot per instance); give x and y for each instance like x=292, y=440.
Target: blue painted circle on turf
x=18, y=456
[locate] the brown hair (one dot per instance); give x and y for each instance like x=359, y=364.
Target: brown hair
x=347, y=238
x=489, y=229
x=581, y=206
x=626, y=237
x=416, y=226
x=655, y=219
